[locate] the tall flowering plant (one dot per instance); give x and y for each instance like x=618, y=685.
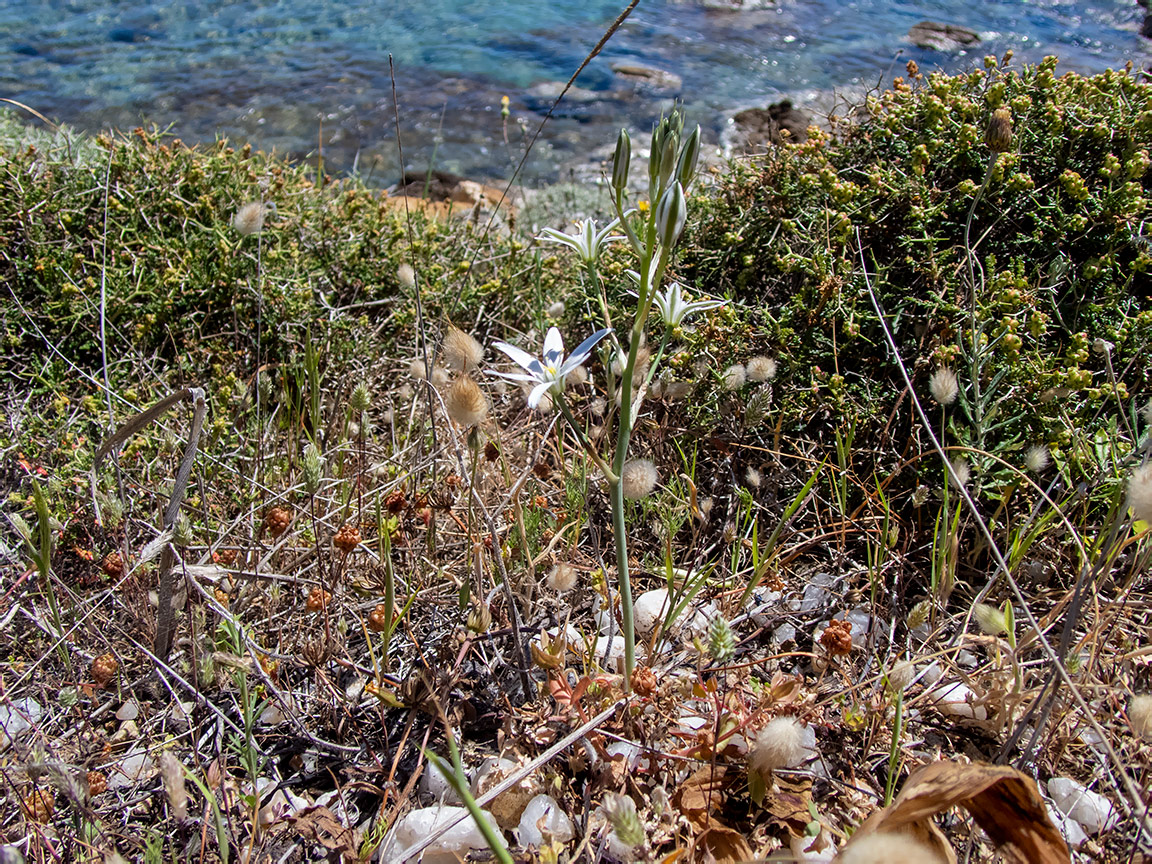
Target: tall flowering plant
x=652, y=234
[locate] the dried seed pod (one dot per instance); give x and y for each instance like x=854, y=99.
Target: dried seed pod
x=277, y=521
x=113, y=565
x=103, y=669
x=999, y=137
x=38, y=805
x=837, y=638
x=378, y=619
x=347, y=538
x=97, y=783
x=318, y=598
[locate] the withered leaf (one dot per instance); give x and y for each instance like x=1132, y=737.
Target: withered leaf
x=788, y=801
x=320, y=825
x=722, y=844
x=703, y=792
x=1004, y=801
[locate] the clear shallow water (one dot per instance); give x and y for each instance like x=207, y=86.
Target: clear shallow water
x=284, y=73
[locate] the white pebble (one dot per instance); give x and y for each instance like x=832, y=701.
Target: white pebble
x=542, y=815
x=457, y=841
x=956, y=700
x=1092, y=810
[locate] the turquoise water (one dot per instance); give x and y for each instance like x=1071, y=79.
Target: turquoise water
x=288, y=74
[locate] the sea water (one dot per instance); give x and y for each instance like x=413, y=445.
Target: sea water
x=309, y=76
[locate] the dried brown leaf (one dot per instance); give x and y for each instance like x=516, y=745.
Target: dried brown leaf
x=320, y=825
x=1005, y=802
x=722, y=844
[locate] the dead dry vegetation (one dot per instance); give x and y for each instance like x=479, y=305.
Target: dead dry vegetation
x=888, y=521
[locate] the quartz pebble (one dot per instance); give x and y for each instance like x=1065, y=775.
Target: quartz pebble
x=544, y=816
x=957, y=700
x=456, y=842
x=1092, y=810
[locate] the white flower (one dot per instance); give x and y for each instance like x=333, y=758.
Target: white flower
x=549, y=372
x=587, y=241
x=675, y=307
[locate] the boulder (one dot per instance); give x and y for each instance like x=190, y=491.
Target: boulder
x=756, y=128
x=942, y=37
x=648, y=79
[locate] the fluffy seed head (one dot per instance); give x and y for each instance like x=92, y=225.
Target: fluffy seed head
x=417, y=369
x=1036, y=459
x=761, y=368
x=440, y=376
x=752, y=477
x=576, y=377
x=638, y=478
x=962, y=472
x=465, y=402
x=734, y=377
x=1140, y=492
x=562, y=577
x=1140, y=716
x=990, y=619
x=406, y=276
x=249, y=219
x=943, y=386
x=461, y=352
x=674, y=391
x=888, y=848
x=172, y=776
x=901, y=675
x=778, y=745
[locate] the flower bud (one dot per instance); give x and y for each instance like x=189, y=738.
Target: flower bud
x=689, y=154
x=671, y=213
x=668, y=159
x=621, y=161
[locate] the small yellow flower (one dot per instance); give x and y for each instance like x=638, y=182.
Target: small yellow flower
x=643, y=206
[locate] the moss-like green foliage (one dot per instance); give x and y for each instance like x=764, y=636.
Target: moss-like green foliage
x=1060, y=256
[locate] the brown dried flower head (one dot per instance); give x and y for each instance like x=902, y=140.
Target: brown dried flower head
x=378, y=619
x=318, y=598
x=113, y=565
x=38, y=805
x=837, y=638
x=97, y=783
x=347, y=538
x=999, y=136
x=277, y=521
x=644, y=681
x=104, y=669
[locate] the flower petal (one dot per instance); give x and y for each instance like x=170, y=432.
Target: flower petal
x=583, y=350
x=521, y=358
x=538, y=393
x=553, y=347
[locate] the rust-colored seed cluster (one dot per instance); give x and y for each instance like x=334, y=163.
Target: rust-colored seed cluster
x=644, y=681
x=97, y=783
x=113, y=565
x=378, y=619
x=104, y=669
x=347, y=538
x=395, y=502
x=837, y=639
x=38, y=805
x=277, y=521
x=318, y=598
x=221, y=597
x=224, y=557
